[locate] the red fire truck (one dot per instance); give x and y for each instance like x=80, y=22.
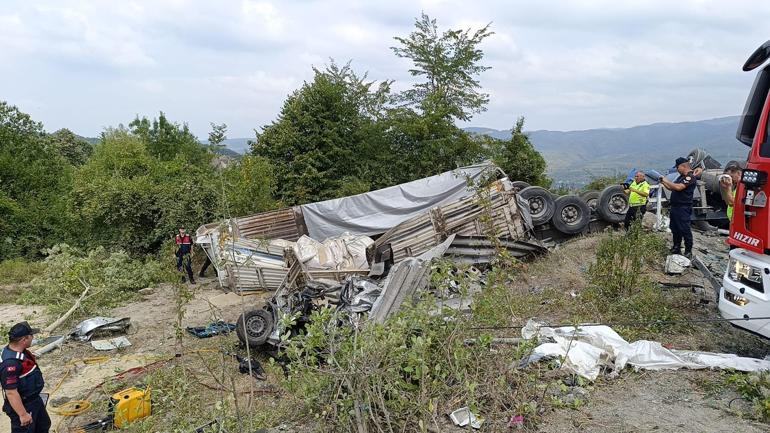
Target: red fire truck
x=745, y=290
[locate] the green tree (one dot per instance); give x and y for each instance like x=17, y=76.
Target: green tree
x=127, y=198
x=325, y=136
x=248, y=186
x=449, y=64
x=34, y=183
x=422, y=133
x=424, y=145
x=72, y=147
x=519, y=158
x=217, y=135
x=168, y=140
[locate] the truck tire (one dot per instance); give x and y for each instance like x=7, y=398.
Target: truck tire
x=518, y=185
x=253, y=327
x=613, y=204
x=571, y=214
x=541, y=204
x=591, y=198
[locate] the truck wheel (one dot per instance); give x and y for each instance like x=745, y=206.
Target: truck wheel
x=613, y=204
x=253, y=327
x=518, y=185
x=591, y=198
x=571, y=214
x=541, y=204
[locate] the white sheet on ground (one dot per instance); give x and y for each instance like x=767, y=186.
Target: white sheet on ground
x=589, y=348
x=378, y=211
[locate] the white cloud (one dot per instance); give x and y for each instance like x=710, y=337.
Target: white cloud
x=562, y=64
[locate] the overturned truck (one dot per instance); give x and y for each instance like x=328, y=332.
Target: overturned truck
x=370, y=252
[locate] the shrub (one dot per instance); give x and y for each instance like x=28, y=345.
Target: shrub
x=754, y=387
x=114, y=278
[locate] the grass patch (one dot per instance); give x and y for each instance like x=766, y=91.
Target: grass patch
x=19, y=271
x=621, y=291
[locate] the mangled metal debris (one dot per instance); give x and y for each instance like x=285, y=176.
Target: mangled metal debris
x=99, y=326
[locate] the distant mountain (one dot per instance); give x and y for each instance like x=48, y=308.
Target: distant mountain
x=574, y=157
x=239, y=145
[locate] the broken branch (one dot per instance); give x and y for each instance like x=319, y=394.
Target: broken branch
x=69, y=312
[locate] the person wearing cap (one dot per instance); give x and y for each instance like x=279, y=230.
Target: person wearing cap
x=637, y=193
x=682, y=189
x=184, y=254
x=728, y=185
x=22, y=383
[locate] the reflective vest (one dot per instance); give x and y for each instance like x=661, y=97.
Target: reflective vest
x=730, y=208
x=635, y=199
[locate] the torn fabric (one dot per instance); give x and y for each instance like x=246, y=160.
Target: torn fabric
x=587, y=349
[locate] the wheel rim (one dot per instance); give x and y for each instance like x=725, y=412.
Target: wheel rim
x=256, y=326
x=536, y=206
x=570, y=214
x=618, y=204
x=592, y=203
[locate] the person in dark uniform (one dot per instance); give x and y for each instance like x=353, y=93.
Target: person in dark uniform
x=184, y=254
x=22, y=383
x=682, y=190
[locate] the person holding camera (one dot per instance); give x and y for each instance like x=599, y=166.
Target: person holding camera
x=682, y=189
x=637, y=193
x=728, y=184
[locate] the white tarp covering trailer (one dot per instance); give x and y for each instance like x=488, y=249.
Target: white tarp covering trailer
x=247, y=251
x=378, y=211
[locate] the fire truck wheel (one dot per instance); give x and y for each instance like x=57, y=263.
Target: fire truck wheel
x=612, y=204
x=571, y=214
x=253, y=327
x=541, y=204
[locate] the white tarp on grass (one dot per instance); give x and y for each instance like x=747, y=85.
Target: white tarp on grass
x=587, y=349
x=378, y=211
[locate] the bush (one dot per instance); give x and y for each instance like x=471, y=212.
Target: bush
x=406, y=374
x=599, y=183
x=754, y=387
x=114, y=278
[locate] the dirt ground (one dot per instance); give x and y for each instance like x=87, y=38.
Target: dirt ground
x=655, y=402
x=73, y=372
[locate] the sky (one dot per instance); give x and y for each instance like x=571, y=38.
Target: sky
x=563, y=65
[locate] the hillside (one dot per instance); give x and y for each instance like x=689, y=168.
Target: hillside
x=576, y=156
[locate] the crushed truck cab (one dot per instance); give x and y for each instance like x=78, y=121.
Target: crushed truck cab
x=746, y=282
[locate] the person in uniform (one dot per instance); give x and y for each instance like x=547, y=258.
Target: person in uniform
x=728, y=185
x=637, y=193
x=682, y=189
x=184, y=254
x=22, y=383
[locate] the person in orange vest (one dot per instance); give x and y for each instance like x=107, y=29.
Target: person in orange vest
x=184, y=252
